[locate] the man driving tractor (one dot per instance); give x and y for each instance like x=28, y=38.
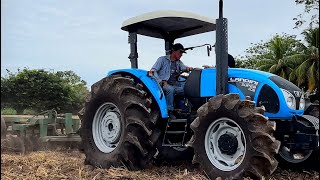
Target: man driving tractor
x=166, y=70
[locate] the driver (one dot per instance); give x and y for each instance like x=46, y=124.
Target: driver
x=166, y=71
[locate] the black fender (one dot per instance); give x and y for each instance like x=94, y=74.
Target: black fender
x=310, y=106
x=301, y=132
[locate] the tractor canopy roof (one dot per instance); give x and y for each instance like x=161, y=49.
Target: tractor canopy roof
x=169, y=24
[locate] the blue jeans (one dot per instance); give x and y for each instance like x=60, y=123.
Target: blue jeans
x=170, y=91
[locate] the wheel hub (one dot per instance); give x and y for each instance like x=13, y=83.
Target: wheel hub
x=228, y=143
x=225, y=144
x=106, y=127
x=111, y=129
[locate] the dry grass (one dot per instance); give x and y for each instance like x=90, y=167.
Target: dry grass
x=69, y=165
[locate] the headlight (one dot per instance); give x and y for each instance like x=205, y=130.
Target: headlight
x=302, y=102
x=290, y=100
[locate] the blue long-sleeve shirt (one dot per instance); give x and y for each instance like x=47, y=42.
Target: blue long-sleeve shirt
x=162, y=66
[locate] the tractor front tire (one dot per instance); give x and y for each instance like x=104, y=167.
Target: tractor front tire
x=118, y=124
x=232, y=139
x=301, y=158
x=315, y=156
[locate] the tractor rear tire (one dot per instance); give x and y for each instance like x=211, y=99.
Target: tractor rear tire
x=232, y=139
x=118, y=124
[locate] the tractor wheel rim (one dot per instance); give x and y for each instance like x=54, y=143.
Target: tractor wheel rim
x=221, y=129
x=106, y=127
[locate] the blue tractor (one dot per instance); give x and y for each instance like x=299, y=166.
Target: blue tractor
x=230, y=120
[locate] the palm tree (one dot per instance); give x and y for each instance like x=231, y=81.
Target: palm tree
x=311, y=36
x=281, y=57
x=307, y=72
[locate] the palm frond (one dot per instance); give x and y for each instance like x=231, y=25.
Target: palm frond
x=293, y=76
x=294, y=60
x=273, y=69
x=301, y=71
x=311, y=36
x=264, y=68
x=312, y=79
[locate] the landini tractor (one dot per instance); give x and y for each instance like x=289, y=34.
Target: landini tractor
x=230, y=120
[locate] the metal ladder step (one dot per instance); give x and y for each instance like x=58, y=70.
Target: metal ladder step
x=174, y=145
x=175, y=132
x=177, y=120
x=181, y=130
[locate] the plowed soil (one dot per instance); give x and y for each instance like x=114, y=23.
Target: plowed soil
x=70, y=165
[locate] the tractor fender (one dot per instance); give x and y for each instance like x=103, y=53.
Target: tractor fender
x=310, y=106
x=150, y=83
x=313, y=120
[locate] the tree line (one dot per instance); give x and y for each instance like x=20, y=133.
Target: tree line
x=39, y=90
x=285, y=55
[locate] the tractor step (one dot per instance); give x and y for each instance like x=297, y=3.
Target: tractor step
x=175, y=132
x=177, y=120
x=176, y=129
x=174, y=145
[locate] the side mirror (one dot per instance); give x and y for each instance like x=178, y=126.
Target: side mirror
x=209, y=48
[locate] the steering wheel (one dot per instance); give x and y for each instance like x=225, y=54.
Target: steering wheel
x=183, y=76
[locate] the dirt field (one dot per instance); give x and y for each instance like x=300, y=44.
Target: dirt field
x=69, y=165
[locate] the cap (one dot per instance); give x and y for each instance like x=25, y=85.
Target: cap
x=177, y=47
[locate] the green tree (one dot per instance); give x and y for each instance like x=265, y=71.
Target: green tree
x=78, y=87
x=306, y=74
x=40, y=90
x=311, y=36
x=277, y=56
x=311, y=7
x=6, y=89
x=246, y=63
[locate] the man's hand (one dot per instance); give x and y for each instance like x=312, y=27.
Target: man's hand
x=150, y=73
x=164, y=83
x=189, y=69
x=207, y=66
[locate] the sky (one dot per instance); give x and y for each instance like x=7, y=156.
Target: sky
x=85, y=36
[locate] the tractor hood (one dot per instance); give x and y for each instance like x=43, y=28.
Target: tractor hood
x=262, y=76
x=244, y=77
x=281, y=98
